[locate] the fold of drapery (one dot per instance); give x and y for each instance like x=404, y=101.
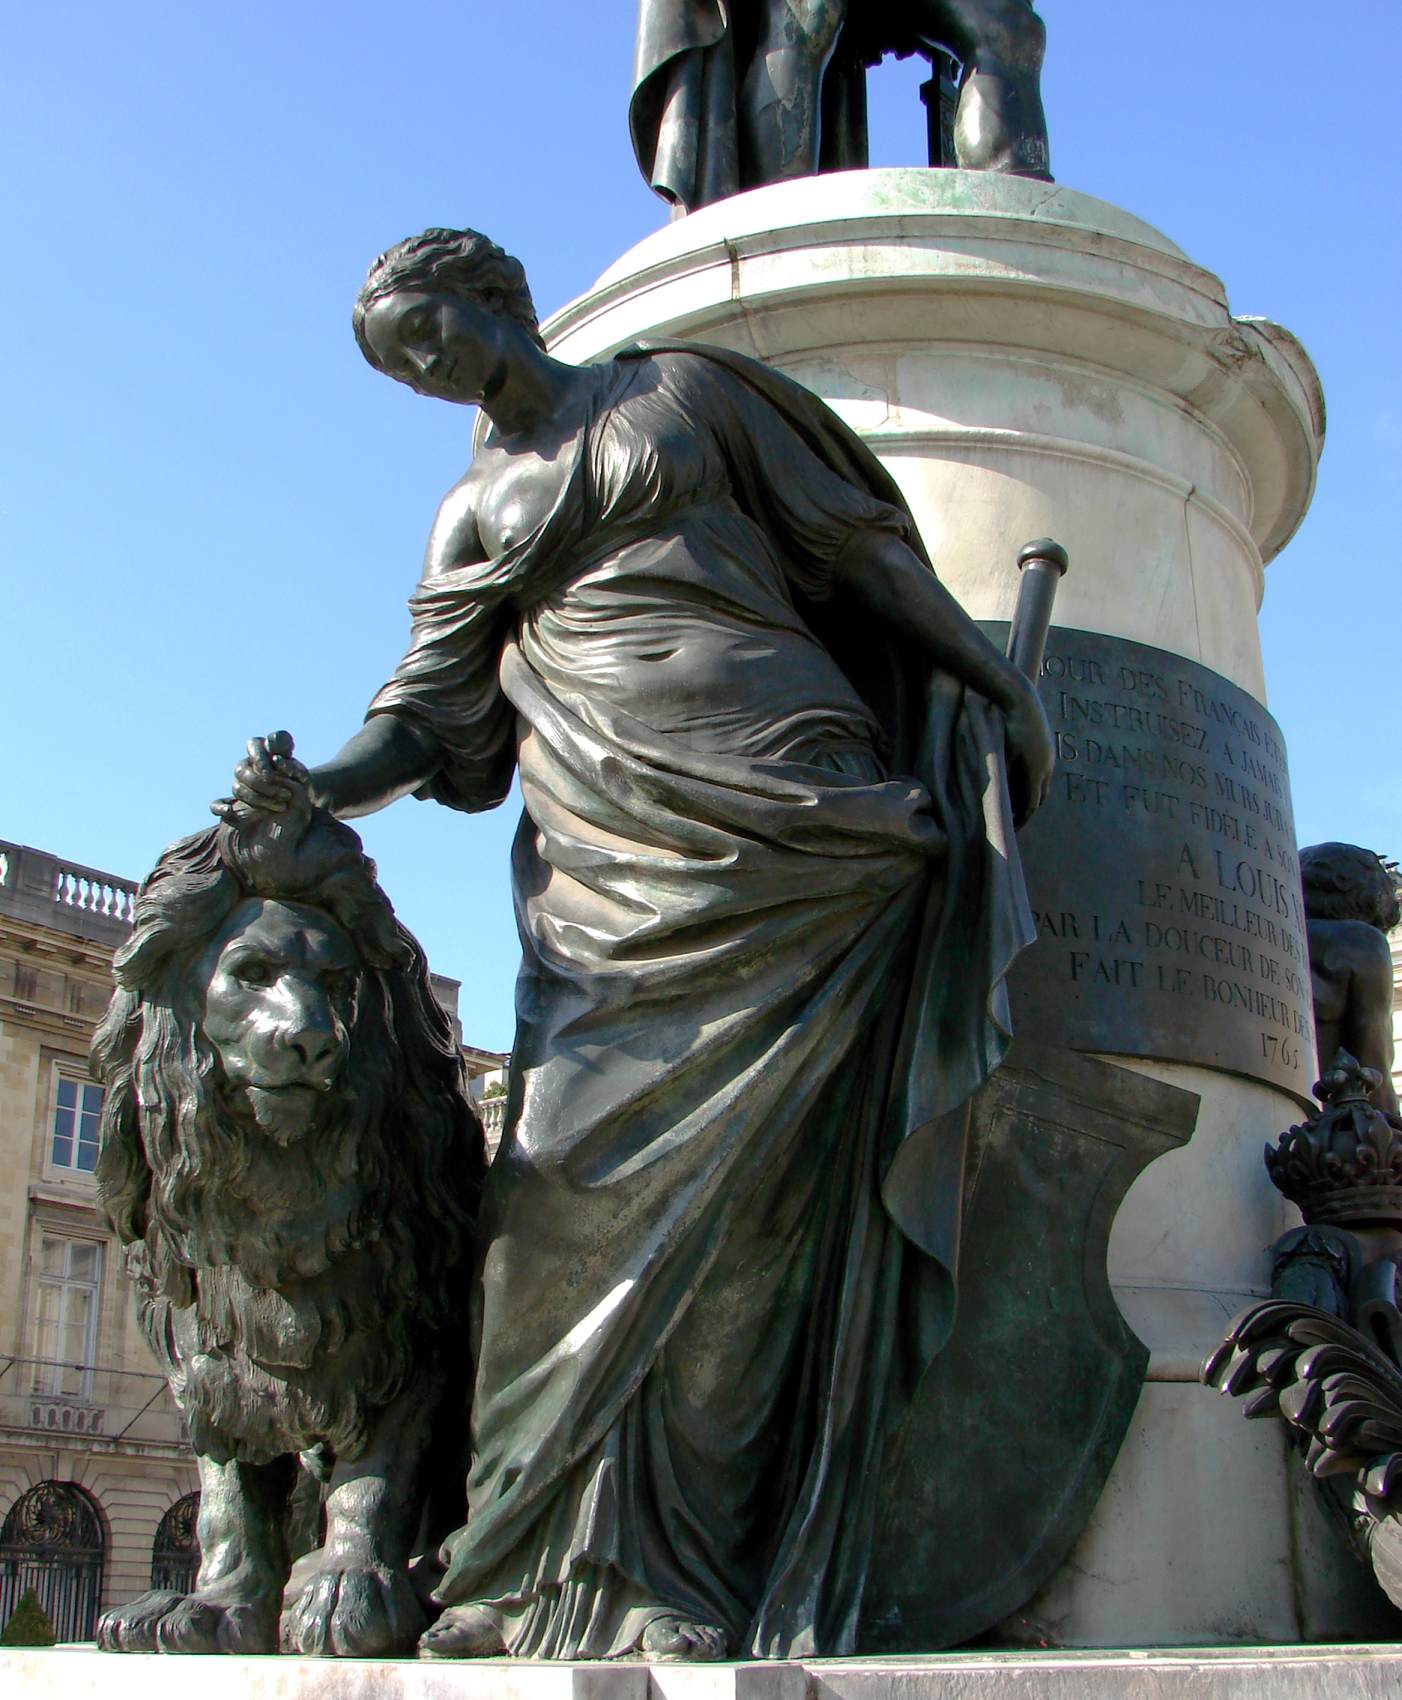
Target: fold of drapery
x=682, y=116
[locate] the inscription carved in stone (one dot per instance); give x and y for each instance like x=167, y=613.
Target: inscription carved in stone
x=1163, y=869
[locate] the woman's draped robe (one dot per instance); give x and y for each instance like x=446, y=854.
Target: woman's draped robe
x=761, y=979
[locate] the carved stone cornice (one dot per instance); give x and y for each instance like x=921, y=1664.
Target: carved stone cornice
x=34, y=943
x=56, y=1023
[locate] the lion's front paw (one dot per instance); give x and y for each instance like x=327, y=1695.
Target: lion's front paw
x=357, y=1614
x=132, y=1628
x=161, y=1622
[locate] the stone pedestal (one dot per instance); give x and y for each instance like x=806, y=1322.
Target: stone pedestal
x=1028, y=361
x=1318, y=1673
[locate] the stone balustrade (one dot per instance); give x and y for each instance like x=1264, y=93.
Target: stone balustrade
x=35, y=886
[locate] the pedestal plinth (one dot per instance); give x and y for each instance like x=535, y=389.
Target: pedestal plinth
x=1028, y=362
x=1316, y=1673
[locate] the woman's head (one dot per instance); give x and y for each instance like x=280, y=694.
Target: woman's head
x=463, y=264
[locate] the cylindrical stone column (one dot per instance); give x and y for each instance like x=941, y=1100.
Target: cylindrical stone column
x=1029, y=362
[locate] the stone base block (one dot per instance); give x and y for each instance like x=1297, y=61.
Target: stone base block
x=1246, y=1673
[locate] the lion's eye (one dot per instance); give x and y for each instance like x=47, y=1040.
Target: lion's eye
x=342, y=985
x=252, y=972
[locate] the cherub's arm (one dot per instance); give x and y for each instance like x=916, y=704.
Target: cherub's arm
x=1365, y=1028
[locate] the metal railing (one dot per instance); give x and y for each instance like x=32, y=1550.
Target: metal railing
x=52, y=1542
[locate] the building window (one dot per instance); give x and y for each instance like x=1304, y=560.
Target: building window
x=77, y=1111
x=65, y=1329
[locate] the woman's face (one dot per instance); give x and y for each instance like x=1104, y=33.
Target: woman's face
x=440, y=345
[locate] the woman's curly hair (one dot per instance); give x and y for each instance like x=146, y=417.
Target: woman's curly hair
x=463, y=263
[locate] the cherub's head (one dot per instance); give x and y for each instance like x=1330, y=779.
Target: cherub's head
x=1344, y=882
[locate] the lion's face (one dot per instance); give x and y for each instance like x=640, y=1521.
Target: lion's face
x=278, y=985
x=283, y=1092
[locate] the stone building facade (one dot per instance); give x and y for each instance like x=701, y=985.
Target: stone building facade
x=98, y=1487
x=96, y=1477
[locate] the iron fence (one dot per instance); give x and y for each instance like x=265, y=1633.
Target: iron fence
x=175, y=1554
x=53, y=1542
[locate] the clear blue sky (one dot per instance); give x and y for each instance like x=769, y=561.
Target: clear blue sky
x=211, y=510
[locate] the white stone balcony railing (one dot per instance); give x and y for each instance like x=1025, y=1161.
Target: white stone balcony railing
x=35, y=886
x=492, y=1113
x=66, y=1416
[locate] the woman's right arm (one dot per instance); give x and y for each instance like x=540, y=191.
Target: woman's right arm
x=388, y=758
x=385, y=760
x=391, y=755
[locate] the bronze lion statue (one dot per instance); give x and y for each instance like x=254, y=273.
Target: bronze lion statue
x=290, y=1158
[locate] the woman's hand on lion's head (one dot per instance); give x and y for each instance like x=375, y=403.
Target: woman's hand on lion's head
x=268, y=781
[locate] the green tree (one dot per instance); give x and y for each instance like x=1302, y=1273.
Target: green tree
x=29, y=1625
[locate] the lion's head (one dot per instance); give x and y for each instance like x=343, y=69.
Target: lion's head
x=277, y=985
x=282, y=1085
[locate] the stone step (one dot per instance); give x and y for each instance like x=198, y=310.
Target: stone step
x=1372, y=1672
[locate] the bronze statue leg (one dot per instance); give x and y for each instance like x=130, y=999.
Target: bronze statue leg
x=352, y=1597
x=1000, y=125
x=781, y=97
x=243, y=1565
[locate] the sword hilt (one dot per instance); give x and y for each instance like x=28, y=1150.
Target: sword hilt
x=1043, y=565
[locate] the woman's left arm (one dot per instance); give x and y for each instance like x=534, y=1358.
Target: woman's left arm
x=880, y=571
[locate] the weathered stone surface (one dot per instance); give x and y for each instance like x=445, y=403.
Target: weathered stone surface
x=1319, y=1673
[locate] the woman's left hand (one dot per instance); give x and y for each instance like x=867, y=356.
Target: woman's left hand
x=1031, y=752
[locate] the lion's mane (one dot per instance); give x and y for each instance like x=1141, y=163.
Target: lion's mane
x=290, y=1289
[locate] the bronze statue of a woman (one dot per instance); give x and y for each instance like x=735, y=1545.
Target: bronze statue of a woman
x=767, y=889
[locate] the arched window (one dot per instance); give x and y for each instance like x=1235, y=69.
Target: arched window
x=53, y=1541
x=175, y=1553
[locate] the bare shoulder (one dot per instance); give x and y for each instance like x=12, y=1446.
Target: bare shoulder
x=1352, y=947
x=455, y=540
